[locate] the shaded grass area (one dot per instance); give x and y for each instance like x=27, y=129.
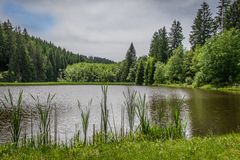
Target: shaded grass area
x=61, y=83
x=219, y=147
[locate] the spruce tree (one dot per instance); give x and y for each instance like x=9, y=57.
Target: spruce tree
x=203, y=26
x=154, y=46
x=175, y=36
x=221, y=14
x=140, y=73
x=232, y=19
x=163, y=49
x=129, y=62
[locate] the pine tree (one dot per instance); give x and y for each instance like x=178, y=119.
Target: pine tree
x=220, y=18
x=140, y=73
x=154, y=51
x=232, y=19
x=163, y=49
x=203, y=26
x=175, y=36
x=129, y=61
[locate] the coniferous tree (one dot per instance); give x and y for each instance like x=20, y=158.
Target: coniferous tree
x=232, y=19
x=163, y=45
x=203, y=26
x=2, y=56
x=128, y=62
x=154, y=46
x=140, y=73
x=175, y=36
x=220, y=18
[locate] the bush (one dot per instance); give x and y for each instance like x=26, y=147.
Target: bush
x=159, y=76
x=219, y=60
x=91, y=72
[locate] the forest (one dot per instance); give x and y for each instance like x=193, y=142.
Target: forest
x=214, y=56
x=25, y=58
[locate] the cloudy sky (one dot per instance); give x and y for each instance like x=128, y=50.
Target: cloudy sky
x=103, y=28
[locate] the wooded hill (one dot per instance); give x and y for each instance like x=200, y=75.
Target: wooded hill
x=25, y=58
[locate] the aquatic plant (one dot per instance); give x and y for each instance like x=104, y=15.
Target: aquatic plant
x=16, y=114
x=142, y=113
x=104, y=113
x=85, y=112
x=44, y=111
x=130, y=103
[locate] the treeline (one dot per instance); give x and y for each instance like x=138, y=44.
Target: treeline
x=214, y=57
x=24, y=58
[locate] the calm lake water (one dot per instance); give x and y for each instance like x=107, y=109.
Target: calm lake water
x=205, y=112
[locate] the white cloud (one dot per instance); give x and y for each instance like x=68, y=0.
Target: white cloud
x=106, y=28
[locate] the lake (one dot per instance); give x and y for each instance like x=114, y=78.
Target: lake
x=205, y=112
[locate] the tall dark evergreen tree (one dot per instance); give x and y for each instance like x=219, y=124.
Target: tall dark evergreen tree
x=140, y=72
x=220, y=18
x=2, y=56
x=163, y=45
x=129, y=61
x=232, y=19
x=154, y=46
x=175, y=36
x=203, y=26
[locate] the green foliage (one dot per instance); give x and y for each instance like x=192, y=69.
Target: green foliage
x=128, y=64
x=28, y=59
x=130, y=103
x=44, y=112
x=16, y=114
x=85, y=113
x=91, y=72
x=219, y=60
x=208, y=148
x=159, y=76
x=188, y=72
x=149, y=71
x=175, y=36
x=159, y=48
x=140, y=72
x=203, y=26
x=232, y=18
x=174, y=67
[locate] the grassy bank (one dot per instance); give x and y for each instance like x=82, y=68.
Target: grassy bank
x=61, y=83
x=221, y=147
x=232, y=89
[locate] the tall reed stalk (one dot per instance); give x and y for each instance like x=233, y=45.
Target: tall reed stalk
x=44, y=111
x=130, y=103
x=104, y=113
x=85, y=113
x=142, y=113
x=16, y=114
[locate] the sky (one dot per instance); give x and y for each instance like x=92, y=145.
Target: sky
x=103, y=28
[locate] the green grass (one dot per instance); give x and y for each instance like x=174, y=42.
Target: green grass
x=61, y=83
x=221, y=147
x=232, y=89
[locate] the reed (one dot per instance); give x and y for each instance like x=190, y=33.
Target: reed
x=44, y=111
x=130, y=104
x=104, y=113
x=142, y=113
x=16, y=114
x=85, y=113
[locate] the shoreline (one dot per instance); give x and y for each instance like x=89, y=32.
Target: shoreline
x=229, y=89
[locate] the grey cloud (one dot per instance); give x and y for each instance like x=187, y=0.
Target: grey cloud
x=106, y=27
